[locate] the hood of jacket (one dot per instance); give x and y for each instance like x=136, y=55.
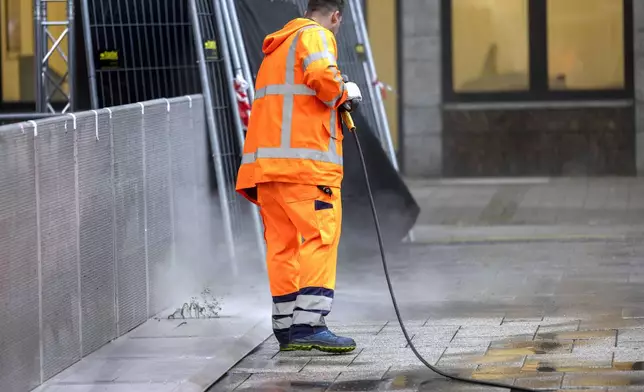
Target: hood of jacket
x=274, y=40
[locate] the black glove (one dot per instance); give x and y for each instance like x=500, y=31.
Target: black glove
x=349, y=105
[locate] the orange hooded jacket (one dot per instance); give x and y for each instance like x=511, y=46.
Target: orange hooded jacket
x=294, y=133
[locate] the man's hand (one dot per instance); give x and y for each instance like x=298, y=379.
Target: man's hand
x=354, y=96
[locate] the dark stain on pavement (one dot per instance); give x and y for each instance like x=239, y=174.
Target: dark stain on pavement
x=420, y=381
x=527, y=347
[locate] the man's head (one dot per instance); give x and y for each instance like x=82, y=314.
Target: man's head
x=327, y=13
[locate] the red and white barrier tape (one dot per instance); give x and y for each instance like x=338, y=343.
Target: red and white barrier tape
x=243, y=103
x=384, y=88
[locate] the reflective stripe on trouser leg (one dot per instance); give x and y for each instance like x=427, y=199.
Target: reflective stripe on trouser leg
x=311, y=306
x=317, y=217
x=319, y=222
x=283, y=307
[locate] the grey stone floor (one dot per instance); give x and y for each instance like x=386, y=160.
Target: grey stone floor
x=548, y=315
x=574, y=201
x=536, y=283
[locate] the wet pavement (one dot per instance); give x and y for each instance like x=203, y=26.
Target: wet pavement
x=549, y=315
x=544, y=310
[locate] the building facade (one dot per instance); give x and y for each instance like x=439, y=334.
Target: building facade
x=521, y=87
x=476, y=87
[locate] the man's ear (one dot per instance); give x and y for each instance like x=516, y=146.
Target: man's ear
x=336, y=16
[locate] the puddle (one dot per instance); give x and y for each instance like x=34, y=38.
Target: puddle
x=544, y=367
x=527, y=348
x=420, y=381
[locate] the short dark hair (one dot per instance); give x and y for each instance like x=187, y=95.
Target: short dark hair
x=325, y=6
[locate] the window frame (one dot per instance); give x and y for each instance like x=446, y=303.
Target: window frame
x=537, y=63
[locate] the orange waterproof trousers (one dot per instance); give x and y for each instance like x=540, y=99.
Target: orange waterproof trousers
x=302, y=225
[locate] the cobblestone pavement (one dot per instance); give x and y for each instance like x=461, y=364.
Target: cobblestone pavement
x=547, y=315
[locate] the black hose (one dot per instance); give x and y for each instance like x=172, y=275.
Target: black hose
x=393, y=296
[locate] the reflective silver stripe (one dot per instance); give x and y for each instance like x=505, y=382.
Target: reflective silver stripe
x=289, y=100
x=292, y=153
x=283, y=308
x=332, y=147
x=283, y=323
x=313, y=57
x=314, y=302
x=308, y=318
x=283, y=89
x=325, y=44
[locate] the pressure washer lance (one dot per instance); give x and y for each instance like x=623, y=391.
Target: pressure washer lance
x=348, y=121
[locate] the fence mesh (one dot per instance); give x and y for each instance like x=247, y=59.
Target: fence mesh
x=223, y=111
x=146, y=50
x=118, y=206
x=55, y=145
x=96, y=229
x=140, y=50
x=19, y=277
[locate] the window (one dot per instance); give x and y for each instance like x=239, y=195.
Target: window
x=490, y=41
x=537, y=49
x=585, y=44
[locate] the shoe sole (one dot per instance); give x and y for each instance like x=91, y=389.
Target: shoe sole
x=326, y=349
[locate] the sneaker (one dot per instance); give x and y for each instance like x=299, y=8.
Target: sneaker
x=325, y=341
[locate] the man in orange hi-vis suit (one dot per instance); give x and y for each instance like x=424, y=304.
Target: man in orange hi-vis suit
x=292, y=169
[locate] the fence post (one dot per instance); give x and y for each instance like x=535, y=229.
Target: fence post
x=212, y=126
x=173, y=225
x=221, y=16
x=39, y=254
x=145, y=212
x=239, y=39
x=117, y=316
x=89, y=52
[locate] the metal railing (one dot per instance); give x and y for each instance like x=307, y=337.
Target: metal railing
x=99, y=209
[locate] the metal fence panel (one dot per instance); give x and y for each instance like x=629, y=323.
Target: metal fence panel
x=19, y=277
x=205, y=188
x=58, y=237
x=158, y=196
x=97, y=197
x=208, y=222
x=146, y=47
x=225, y=146
x=236, y=66
x=96, y=229
x=129, y=185
x=185, y=171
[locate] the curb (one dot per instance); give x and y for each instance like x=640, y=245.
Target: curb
x=448, y=235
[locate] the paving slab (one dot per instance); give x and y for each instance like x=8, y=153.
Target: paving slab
x=548, y=296
x=173, y=355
